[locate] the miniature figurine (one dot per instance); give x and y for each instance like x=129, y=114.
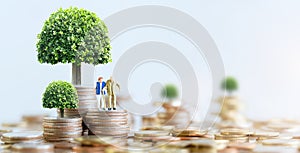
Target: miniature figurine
x=111, y=90
x=100, y=92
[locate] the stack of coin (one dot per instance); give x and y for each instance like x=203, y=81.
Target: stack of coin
x=150, y=121
x=87, y=99
x=33, y=147
x=173, y=115
x=107, y=123
x=234, y=135
x=19, y=137
x=231, y=110
x=62, y=129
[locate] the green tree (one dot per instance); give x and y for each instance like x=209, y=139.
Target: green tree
x=170, y=91
x=60, y=94
x=229, y=84
x=74, y=36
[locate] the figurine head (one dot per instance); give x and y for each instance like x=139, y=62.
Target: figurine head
x=100, y=79
x=111, y=78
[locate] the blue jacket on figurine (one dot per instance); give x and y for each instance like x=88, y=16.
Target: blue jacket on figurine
x=98, y=88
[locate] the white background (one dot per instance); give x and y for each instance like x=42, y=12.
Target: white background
x=258, y=41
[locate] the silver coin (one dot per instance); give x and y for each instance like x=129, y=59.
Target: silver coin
x=63, y=130
x=63, y=125
x=23, y=135
x=109, y=124
x=58, y=139
x=61, y=120
x=62, y=133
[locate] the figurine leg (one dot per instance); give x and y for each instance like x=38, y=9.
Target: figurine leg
x=114, y=102
x=109, y=101
x=98, y=101
x=103, y=104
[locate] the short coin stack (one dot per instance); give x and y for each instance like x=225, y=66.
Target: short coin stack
x=173, y=115
x=20, y=137
x=62, y=129
x=107, y=123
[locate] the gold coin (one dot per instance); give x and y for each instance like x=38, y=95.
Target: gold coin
x=149, y=133
x=235, y=131
x=265, y=134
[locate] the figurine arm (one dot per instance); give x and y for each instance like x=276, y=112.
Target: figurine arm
x=118, y=86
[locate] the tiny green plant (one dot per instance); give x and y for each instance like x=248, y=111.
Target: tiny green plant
x=61, y=95
x=229, y=84
x=170, y=92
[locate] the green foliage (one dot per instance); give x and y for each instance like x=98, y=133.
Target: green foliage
x=73, y=36
x=170, y=91
x=60, y=94
x=229, y=84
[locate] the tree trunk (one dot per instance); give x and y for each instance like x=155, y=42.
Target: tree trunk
x=76, y=74
x=62, y=112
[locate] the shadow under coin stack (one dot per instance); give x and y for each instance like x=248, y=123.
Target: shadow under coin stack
x=22, y=137
x=108, y=123
x=62, y=129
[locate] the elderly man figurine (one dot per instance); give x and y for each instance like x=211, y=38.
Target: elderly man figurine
x=110, y=87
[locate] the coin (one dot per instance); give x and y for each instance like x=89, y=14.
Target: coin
x=281, y=142
x=265, y=134
x=149, y=133
x=79, y=129
x=188, y=132
x=62, y=120
x=235, y=131
x=109, y=124
x=32, y=147
x=23, y=135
